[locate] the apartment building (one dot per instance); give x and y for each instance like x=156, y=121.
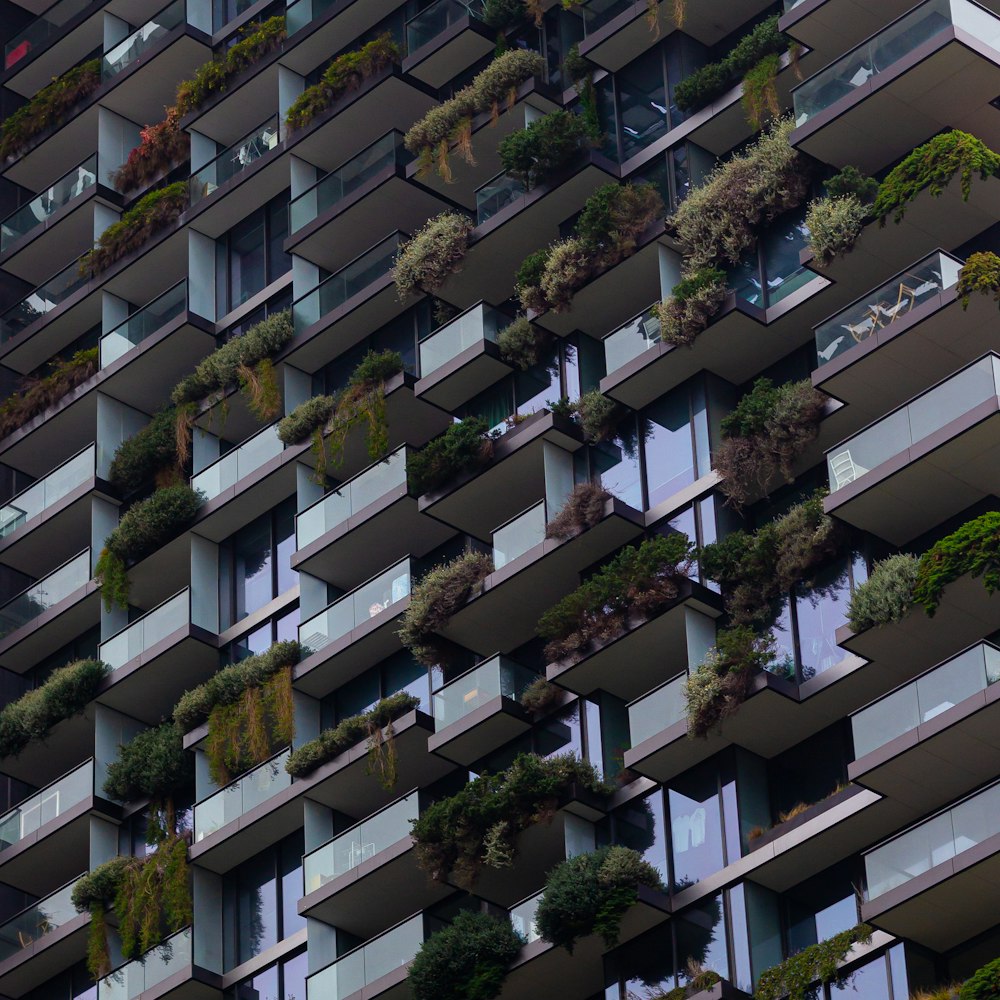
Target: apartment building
x=503, y=491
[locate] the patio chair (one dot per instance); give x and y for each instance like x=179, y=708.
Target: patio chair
x=844, y=469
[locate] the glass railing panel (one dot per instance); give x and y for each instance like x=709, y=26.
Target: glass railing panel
x=933, y=842
x=48, y=592
x=238, y=798
x=361, y=843
x=39, y=496
x=143, y=323
x=872, y=57
x=36, y=921
x=346, y=179
x=38, y=34
x=885, y=305
x=136, y=45
x=475, y=325
x=929, y=695
x=335, y=290
x=495, y=195
x=518, y=536
x=303, y=12
x=791, y=4
x=982, y=24
x=238, y=463
x=41, y=301
x=234, y=160
x=346, y=500
x=658, y=710
x=632, y=339
x=492, y=679
x=156, y=966
x=912, y=422
x=522, y=918
x=147, y=631
x=46, y=805
x=38, y=211
x=349, y=611
x=436, y=18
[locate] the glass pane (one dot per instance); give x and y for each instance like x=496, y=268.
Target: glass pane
x=48, y=804
x=518, y=536
x=657, y=711
x=37, y=211
x=234, y=160
x=494, y=678
x=632, y=339
x=474, y=326
x=142, y=40
x=42, y=300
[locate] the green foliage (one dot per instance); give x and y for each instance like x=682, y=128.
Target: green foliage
x=980, y=274
x=983, y=984
x=834, y=226
x=540, y=697
x=528, y=279
x=35, y=394
x=974, y=549
x=161, y=146
x=590, y=893
x=693, y=302
x=153, y=765
x=435, y=251
x=760, y=91
x=535, y=153
x=793, y=977
x=306, y=418
x=467, y=960
x=581, y=510
x=451, y=834
x=152, y=213
x=886, y=596
x=522, y=343
x=441, y=592
x=849, y=181
x=464, y=446
x=933, y=166
x=638, y=581
x=65, y=693
x=599, y=415
x=148, y=456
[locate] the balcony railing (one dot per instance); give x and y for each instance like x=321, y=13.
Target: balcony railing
x=143, y=323
x=46, y=805
x=145, y=632
x=885, y=305
x=347, y=178
x=42, y=30
x=45, y=594
x=234, y=160
x=347, y=499
x=42, y=207
x=496, y=194
x=661, y=708
x=522, y=918
x=157, y=965
x=41, y=301
x=350, y=973
x=358, y=606
x=519, y=534
x=632, y=339
x=39, y=919
x=932, y=693
x=39, y=496
x=136, y=45
x=238, y=798
x=886, y=48
x=302, y=13
x=474, y=326
x=438, y=17
x=342, y=285
x=933, y=841
x=361, y=842
x=494, y=678
x=914, y=421
x=239, y=462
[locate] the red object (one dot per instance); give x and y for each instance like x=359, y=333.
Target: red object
x=16, y=55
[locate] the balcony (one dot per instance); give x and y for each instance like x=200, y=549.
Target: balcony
x=238, y=463
x=446, y=38
x=937, y=883
x=480, y=711
x=912, y=74
x=167, y=969
x=925, y=461
x=360, y=525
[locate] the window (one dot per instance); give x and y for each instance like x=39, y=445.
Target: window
x=772, y=271
x=400, y=672
x=285, y=980
x=676, y=441
x=280, y=628
x=73, y=984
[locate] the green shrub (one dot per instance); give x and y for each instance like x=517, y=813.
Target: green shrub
x=886, y=596
x=851, y=181
x=581, y=510
x=306, y=419
x=794, y=977
x=599, y=415
x=35, y=394
x=540, y=697
x=152, y=765
x=590, y=893
x=535, y=153
x=65, y=693
x=148, y=456
x=834, y=226
x=467, y=960
x=434, y=252
x=974, y=548
x=692, y=304
x=161, y=147
x=983, y=984
x=464, y=446
x=760, y=91
x=980, y=274
x=522, y=344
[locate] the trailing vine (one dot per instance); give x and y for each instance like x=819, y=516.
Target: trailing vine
x=793, y=977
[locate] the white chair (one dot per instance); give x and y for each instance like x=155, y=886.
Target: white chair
x=830, y=350
x=844, y=469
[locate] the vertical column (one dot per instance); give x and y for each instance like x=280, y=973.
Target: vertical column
x=204, y=583
x=201, y=275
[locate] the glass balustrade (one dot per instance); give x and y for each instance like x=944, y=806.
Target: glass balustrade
x=933, y=842
x=886, y=48
x=519, y=535
x=143, y=323
x=42, y=207
x=41, y=301
x=39, y=919
x=238, y=798
x=361, y=842
x=240, y=462
x=334, y=291
x=522, y=918
x=929, y=695
x=45, y=594
x=347, y=178
x=42, y=30
x=157, y=965
x=38, y=497
x=791, y=4
x=658, y=710
x=395, y=948
x=142, y=40
x=495, y=195
x=475, y=325
x=302, y=13
x=145, y=632
x=436, y=18
x=347, y=499
x=234, y=160
x=632, y=339
x=885, y=305
x=913, y=422
x=46, y=805
x=494, y=678
x=356, y=607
